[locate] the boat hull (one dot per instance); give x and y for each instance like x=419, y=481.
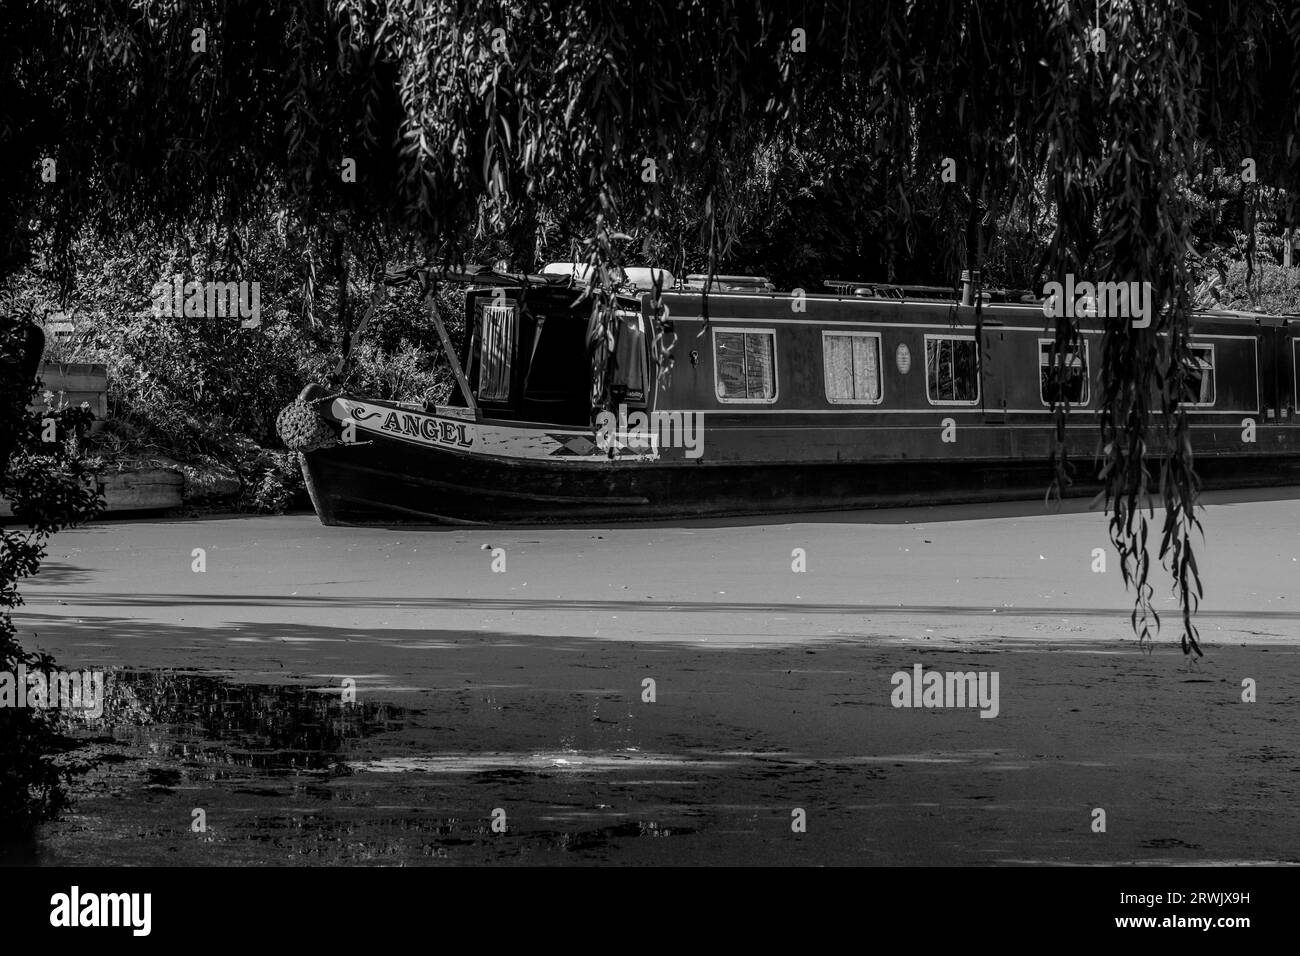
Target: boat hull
x=396, y=484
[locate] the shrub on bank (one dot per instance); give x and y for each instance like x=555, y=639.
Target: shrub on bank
x=201, y=395
x=1273, y=289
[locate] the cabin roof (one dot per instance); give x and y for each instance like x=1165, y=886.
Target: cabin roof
x=920, y=308
x=871, y=295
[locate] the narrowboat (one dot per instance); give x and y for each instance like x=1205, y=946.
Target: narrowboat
x=778, y=402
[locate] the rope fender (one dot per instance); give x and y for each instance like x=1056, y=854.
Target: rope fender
x=299, y=425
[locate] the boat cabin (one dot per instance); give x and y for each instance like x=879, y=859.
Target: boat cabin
x=893, y=352
x=527, y=358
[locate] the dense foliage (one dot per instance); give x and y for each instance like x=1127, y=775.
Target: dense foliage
x=202, y=393
x=49, y=488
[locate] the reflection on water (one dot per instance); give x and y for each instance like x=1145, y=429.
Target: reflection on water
x=267, y=727
x=602, y=836
x=289, y=773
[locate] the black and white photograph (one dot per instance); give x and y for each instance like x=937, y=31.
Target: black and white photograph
x=574, y=434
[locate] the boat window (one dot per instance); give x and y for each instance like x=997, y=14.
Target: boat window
x=1198, y=383
x=495, y=352
x=630, y=371
x=744, y=363
x=1056, y=385
x=852, y=362
x=951, y=370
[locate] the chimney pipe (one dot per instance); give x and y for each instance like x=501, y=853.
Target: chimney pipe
x=970, y=279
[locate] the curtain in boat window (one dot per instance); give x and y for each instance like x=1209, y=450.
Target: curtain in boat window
x=495, y=353
x=1069, y=385
x=1198, y=384
x=951, y=371
x=745, y=366
x=852, y=367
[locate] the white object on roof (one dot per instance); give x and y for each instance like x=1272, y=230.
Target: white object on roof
x=578, y=270
x=641, y=278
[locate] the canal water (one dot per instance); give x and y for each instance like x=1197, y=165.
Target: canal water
x=667, y=694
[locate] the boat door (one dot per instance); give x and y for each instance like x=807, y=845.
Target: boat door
x=1273, y=353
x=1277, y=355
x=526, y=357
x=1288, y=368
x=993, y=360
